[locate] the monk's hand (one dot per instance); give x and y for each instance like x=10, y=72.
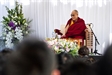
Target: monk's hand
x=63, y=36
x=55, y=30
x=86, y=30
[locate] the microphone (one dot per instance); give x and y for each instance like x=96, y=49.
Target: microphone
x=89, y=24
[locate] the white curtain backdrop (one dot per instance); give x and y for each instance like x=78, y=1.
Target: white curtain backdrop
x=50, y=14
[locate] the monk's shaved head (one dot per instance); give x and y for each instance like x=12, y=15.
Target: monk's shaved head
x=74, y=15
x=75, y=11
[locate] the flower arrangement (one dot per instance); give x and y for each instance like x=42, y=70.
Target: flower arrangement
x=15, y=26
x=63, y=45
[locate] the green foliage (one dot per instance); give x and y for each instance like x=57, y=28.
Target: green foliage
x=74, y=51
x=15, y=19
x=16, y=15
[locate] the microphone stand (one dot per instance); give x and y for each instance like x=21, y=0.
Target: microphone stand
x=96, y=41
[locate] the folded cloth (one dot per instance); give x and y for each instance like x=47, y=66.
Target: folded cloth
x=58, y=32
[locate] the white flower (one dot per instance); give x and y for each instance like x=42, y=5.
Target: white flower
x=4, y=38
x=10, y=33
x=8, y=41
x=16, y=23
x=26, y=32
x=20, y=30
x=15, y=17
x=9, y=28
x=12, y=16
x=4, y=29
x=9, y=45
x=16, y=29
x=67, y=49
x=13, y=21
x=72, y=44
x=18, y=34
x=56, y=48
x=4, y=33
x=26, y=24
x=62, y=50
x=51, y=42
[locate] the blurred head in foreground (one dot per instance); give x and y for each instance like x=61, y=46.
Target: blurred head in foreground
x=104, y=65
x=77, y=68
x=32, y=57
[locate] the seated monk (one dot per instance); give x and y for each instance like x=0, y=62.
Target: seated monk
x=75, y=28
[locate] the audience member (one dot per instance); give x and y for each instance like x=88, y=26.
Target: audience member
x=6, y=51
x=4, y=54
x=32, y=57
x=104, y=65
x=83, y=51
x=62, y=59
x=77, y=68
x=84, y=55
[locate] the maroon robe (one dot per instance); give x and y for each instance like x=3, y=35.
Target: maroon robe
x=76, y=30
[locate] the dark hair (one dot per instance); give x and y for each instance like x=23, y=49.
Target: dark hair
x=77, y=68
x=104, y=65
x=3, y=58
x=83, y=51
x=64, y=58
x=32, y=57
x=6, y=51
x=76, y=11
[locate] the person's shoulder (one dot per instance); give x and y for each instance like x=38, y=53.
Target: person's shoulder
x=80, y=19
x=69, y=21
